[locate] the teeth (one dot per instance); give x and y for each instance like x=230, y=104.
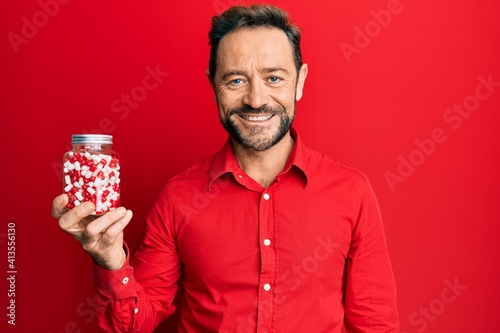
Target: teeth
x=257, y=118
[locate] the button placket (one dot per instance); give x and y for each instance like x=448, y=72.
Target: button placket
x=266, y=307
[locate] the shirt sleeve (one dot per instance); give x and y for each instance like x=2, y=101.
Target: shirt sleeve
x=370, y=294
x=139, y=296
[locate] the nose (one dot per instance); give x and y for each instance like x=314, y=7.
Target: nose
x=256, y=95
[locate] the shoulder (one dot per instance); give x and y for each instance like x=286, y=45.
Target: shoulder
x=185, y=185
x=333, y=177
x=198, y=172
x=321, y=165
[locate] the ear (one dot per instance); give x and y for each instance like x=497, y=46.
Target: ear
x=300, y=81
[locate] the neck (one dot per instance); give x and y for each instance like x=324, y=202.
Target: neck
x=264, y=166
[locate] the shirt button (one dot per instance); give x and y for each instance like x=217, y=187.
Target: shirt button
x=136, y=310
x=125, y=280
x=267, y=287
x=240, y=176
x=266, y=196
x=267, y=242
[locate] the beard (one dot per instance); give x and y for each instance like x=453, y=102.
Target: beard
x=257, y=140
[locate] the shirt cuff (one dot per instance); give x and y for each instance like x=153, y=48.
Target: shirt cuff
x=116, y=284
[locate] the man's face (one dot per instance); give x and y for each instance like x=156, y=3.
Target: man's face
x=256, y=86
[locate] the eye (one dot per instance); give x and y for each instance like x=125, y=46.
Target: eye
x=274, y=79
x=236, y=82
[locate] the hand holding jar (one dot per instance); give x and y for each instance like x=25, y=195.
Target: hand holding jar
x=89, y=208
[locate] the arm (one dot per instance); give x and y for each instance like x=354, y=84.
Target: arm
x=141, y=295
x=370, y=296
x=128, y=299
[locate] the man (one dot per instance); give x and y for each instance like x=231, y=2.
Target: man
x=288, y=240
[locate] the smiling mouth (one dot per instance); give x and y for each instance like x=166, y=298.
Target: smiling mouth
x=259, y=118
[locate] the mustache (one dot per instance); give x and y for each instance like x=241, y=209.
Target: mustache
x=249, y=110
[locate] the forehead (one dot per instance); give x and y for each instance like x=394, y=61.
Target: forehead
x=261, y=46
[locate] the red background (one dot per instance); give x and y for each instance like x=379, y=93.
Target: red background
x=366, y=109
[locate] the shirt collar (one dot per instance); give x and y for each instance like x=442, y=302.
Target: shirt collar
x=225, y=161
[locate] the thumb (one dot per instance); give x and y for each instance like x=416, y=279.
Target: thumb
x=58, y=205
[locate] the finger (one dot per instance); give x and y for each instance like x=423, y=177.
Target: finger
x=75, y=215
x=112, y=233
x=58, y=205
x=97, y=227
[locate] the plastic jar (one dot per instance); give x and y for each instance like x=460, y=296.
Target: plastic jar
x=91, y=172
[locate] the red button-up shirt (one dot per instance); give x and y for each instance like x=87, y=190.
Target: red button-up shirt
x=306, y=254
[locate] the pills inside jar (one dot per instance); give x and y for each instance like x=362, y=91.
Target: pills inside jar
x=91, y=172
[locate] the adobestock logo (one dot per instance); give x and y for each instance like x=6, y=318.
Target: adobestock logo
x=138, y=93
x=122, y=107
x=48, y=9
x=87, y=311
x=373, y=28
x=202, y=199
x=428, y=314
x=291, y=280
x=454, y=117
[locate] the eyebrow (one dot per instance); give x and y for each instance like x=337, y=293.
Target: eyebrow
x=265, y=70
x=275, y=69
x=231, y=73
